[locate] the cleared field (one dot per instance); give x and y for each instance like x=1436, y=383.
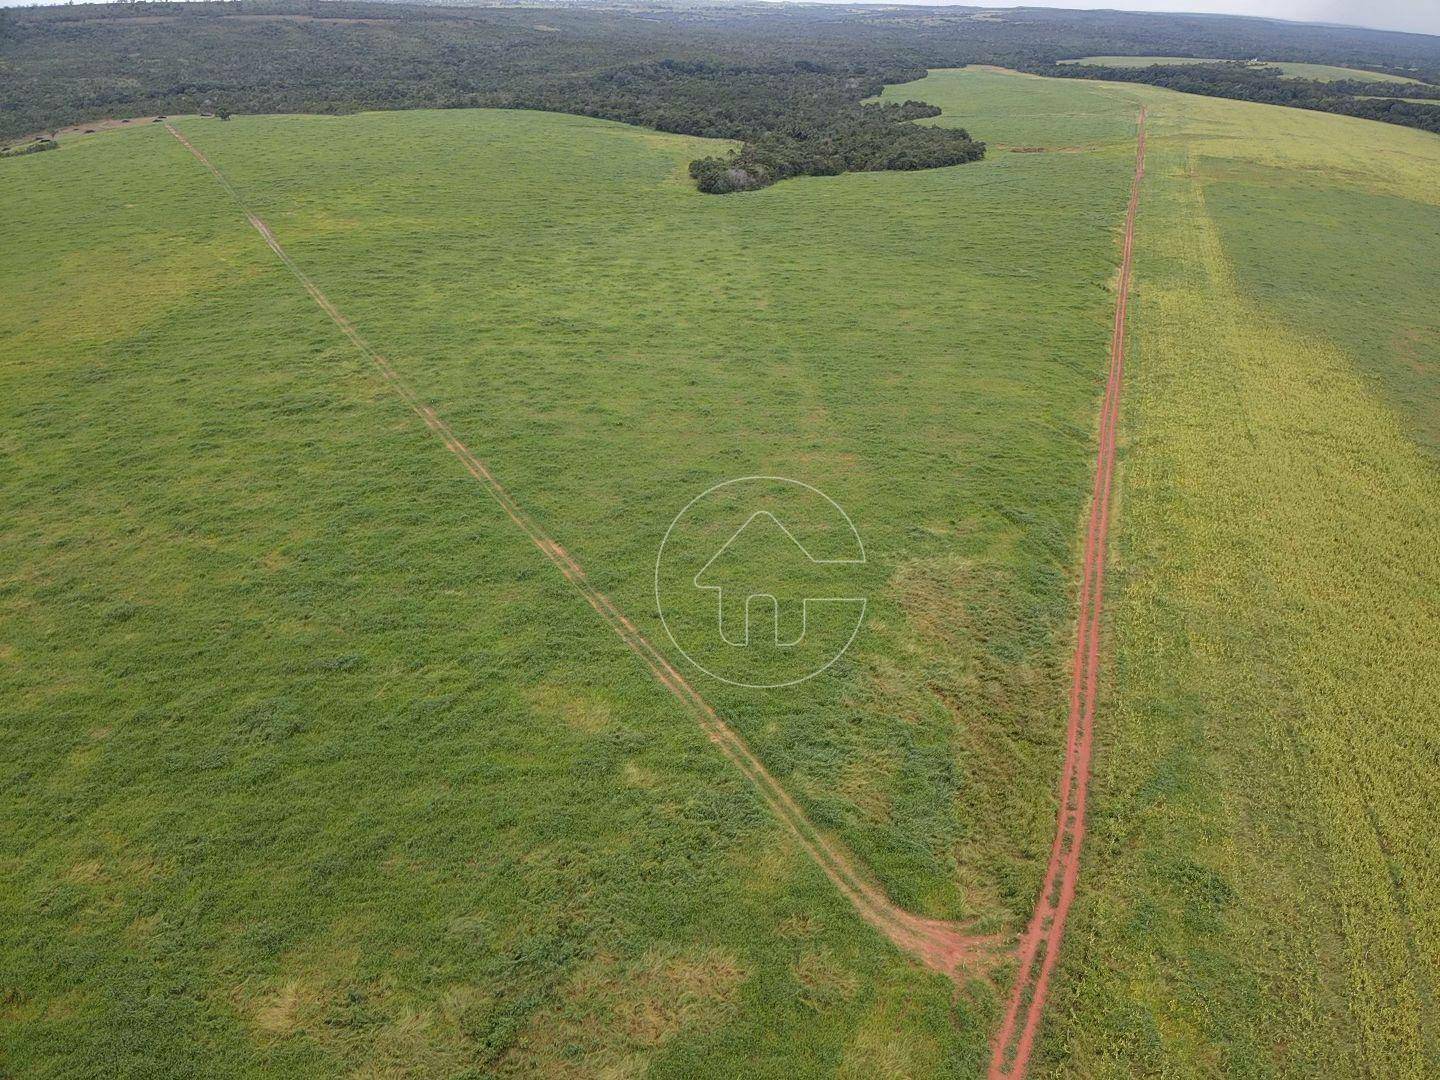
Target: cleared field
x=1292, y=70
x=318, y=767
x=554, y=331
x=1330, y=73
x=1260, y=895
x=1265, y=876
x=442, y=816
x=1025, y=112
x=278, y=804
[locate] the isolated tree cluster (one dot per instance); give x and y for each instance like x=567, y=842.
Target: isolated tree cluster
x=875, y=139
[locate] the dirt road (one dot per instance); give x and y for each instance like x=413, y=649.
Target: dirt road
x=1039, y=946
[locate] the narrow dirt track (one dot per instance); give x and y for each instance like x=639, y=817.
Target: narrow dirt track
x=943, y=946
x=1039, y=946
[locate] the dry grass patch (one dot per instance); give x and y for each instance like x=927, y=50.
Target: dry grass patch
x=612, y=1015
x=282, y=1012
x=824, y=981
x=580, y=712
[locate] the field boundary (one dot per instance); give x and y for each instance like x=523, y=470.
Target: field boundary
x=944, y=946
x=1039, y=946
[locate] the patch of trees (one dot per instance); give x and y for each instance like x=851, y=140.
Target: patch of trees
x=34, y=146
x=869, y=143
x=801, y=119
x=1246, y=82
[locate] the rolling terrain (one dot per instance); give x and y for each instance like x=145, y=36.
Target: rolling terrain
x=319, y=766
x=1261, y=894
x=275, y=506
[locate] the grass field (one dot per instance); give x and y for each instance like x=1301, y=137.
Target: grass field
x=315, y=766
x=1292, y=70
x=265, y=722
x=1262, y=896
x=1331, y=73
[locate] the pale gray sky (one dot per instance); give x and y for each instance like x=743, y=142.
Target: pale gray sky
x=1416, y=16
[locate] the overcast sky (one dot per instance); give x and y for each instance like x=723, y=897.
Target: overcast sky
x=1417, y=16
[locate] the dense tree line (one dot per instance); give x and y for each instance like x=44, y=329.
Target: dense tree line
x=1408, y=113
x=787, y=82
x=866, y=140
x=1268, y=85
x=796, y=108
x=800, y=119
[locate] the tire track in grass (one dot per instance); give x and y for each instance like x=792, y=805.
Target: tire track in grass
x=941, y=945
x=1039, y=946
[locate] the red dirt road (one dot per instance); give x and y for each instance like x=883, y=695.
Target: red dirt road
x=943, y=946
x=1039, y=946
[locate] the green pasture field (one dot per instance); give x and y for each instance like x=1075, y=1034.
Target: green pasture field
x=1292, y=70
x=1264, y=870
x=313, y=764
x=1331, y=73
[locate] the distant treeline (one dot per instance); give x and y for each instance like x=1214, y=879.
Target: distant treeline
x=1382, y=101
x=788, y=82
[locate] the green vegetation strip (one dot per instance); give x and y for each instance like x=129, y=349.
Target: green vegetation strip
x=1318, y=72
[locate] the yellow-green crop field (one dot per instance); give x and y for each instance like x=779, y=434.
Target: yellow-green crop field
x=1263, y=893
x=311, y=765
